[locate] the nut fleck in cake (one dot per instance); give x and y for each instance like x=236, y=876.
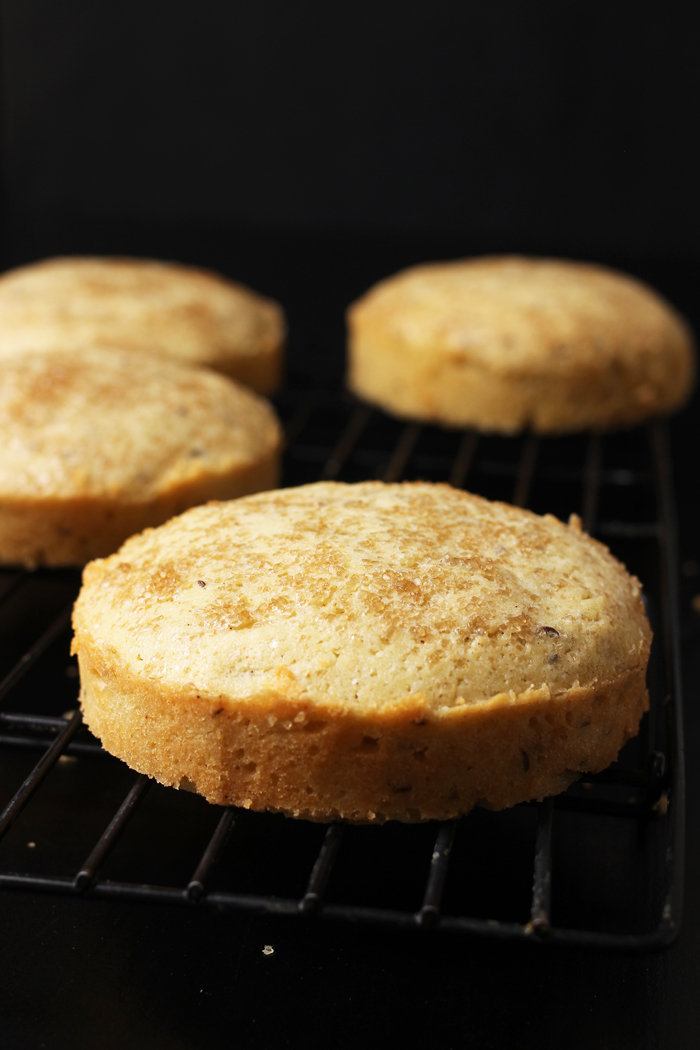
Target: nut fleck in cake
x=363, y=652
x=507, y=343
x=95, y=445
x=160, y=308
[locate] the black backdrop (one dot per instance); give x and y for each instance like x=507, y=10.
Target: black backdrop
x=309, y=148
x=560, y=126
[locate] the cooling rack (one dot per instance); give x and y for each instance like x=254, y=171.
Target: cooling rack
x=599, y=866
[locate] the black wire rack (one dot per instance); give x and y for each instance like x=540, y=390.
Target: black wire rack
x=599, y=866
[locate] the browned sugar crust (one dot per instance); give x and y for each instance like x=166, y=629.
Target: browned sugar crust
x=505, y=343
x=154, y=307
x=363, y=652
x=95, y=445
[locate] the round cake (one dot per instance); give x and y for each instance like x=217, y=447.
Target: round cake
x=158, y=308
x=363, y=652
x=508, y=343
x=95, y=445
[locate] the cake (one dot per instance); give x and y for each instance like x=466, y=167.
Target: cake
x=363, y=652
x=504, y=344
x=98, y=444
x=192, y=315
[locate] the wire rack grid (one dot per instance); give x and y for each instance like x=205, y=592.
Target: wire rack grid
x=599, y=866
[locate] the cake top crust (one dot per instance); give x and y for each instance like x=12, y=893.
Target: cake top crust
x=157, y=307
x=363, y=597
x=118, y=424
x=518, y=315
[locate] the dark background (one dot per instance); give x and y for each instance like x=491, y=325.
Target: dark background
x=561, y=126
x=308, y=149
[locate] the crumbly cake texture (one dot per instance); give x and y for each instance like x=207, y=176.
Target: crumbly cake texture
x=363, y=652
x=95, y=445
x=159, y=308
x=507, y=343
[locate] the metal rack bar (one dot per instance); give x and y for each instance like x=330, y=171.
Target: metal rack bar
x=634, y=778
x=88, y=872
x=321, y=872
x=37, y=775
x=197, y=884
x=343, y=450
x=526, y=470
x=31, y=656
x=40, y=725
x=33, y=743
x=403, y=452
x=542, y=877
x=439, y=864
x=668, y=553
x=655, y=777
x=464, y=459
x=489, y=929
x=35, y=722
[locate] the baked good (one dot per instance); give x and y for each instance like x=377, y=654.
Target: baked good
x=160, y=308
x=363, y=652
x=505, y=343
x=97, y=444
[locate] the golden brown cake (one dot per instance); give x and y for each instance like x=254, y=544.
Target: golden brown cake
x=97, y=444
x=363, y=652
x=506, y=343
x=160, y=308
